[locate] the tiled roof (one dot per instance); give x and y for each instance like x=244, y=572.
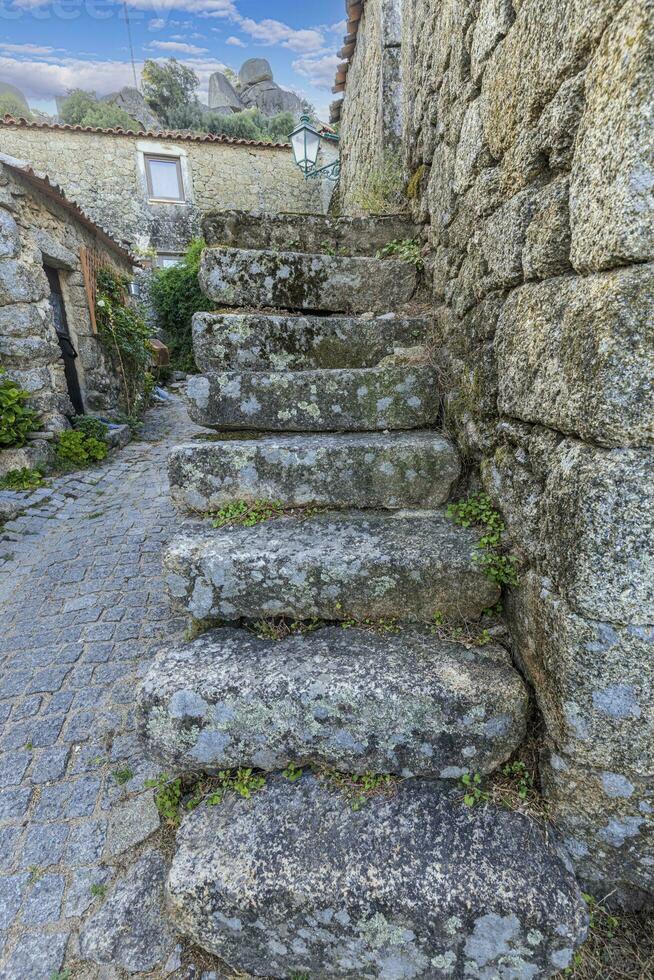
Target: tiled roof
x=354, y=11
x=143, y=134
x=43, y=183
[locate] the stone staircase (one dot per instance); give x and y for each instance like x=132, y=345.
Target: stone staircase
x=324, y=403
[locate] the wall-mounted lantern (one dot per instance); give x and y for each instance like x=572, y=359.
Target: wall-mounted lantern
x=306, y=141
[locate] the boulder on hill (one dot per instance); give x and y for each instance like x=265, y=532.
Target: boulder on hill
x=131, y=100
x=223, y=97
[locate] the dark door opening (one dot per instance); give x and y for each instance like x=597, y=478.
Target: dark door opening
x=68, y=352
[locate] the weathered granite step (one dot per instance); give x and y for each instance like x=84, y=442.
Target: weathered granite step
x=407, y=703
x=297, y=281
x=268, y=342
x=295, y=881
x=335, y=566
x=359, y=400
x=363, y=470
x=305, y=232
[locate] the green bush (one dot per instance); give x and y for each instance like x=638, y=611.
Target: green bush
x=176, y=295
x=125, y=334
x=91, y=426
x=16, y=419
x=82, y=108
x=22, y=479
x=76, y=449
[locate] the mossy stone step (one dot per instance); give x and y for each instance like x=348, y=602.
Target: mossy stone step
x=270, y=342
x=356, y=400
x=298, y=281
x=405, y=703
x=296, y=881
x=363, y=470
x=334, y=566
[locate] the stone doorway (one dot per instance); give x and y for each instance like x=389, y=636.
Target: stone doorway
x=68, y=352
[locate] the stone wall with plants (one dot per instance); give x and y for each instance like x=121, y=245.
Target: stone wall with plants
x=35, y=229
x=528, y=150
x=103, y=174
x=372, y=115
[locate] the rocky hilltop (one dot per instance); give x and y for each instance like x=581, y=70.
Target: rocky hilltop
x=254, y=87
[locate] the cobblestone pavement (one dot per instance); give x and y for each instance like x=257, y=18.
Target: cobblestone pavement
x=82, y=611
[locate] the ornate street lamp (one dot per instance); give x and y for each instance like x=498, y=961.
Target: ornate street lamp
x=306, y=141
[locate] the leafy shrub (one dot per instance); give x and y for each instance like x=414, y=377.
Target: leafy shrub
x=125, y=334
x=16, y=420
x=407, y=249
x=176, y=295
x=22, y=479
x=75, y=449
x=81, y=108
x=91, y=426
x=11, y=105
x=383, y=189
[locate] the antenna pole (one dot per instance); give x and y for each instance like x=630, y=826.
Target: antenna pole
x=131, y=46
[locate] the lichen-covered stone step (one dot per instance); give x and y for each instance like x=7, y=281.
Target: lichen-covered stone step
x=297, y=281
x=363, y=470
x=269, y=342
x=334, y=566
x=405, y=703
x=411, y=885
x=359, y=400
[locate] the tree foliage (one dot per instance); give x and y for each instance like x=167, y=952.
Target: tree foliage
x=176, y=295
x=168, y=88
x=81, y=108
x=11, y=105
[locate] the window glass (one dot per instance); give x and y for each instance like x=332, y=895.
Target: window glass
x=166, y=261
x=164, y=179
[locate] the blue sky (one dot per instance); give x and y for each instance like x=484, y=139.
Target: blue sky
x=50, y=46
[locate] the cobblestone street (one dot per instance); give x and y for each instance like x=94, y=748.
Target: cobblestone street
x=82, y=612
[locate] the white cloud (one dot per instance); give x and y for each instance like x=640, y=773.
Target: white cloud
x=42, y=80
x=27, y=48
x=319, y=71
x=235, y=42
x=156, y=24
x=269, y=32
x=177, y=47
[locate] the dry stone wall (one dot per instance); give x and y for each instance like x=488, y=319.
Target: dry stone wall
x=528, y=137
x=104, y=174
x=34, y=230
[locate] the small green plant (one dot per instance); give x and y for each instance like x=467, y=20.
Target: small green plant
x=520, y=775
x=167, y=797
x=92, y=427
x=246, y=514
x=472, y=785
x=372, y=625
x=460, y=631
x=478, y=511
x=300, y=976
x=16, y=419
x=22, y=480
x=293, y=773
x=29, y=746
x=75, y=449
x=358, y=788
x=123, y=775
x=61, y=975
x=36, y=873
x=407, y=250
x=589, y=960
x=414, y=183
x=243, y=782
x=279, y=629
x=98, y=891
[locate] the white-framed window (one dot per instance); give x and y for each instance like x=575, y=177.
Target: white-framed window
x=165, y=260
x=164, y=178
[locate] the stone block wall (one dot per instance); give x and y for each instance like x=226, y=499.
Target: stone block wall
x=372, y=116
x=36, y=230
x=103, y=172
x=528, y=134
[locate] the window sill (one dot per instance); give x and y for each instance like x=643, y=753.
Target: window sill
x=165, y=200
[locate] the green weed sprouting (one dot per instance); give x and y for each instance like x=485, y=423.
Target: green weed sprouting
x=478, y=511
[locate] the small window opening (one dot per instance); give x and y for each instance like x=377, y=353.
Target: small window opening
x=164, y=177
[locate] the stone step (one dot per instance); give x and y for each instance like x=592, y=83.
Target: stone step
x=363, y=470
x=358, y=400
x=306, y=232
x=266, y=342
x=298, y=281
x=298, y=881
x=353, y=566
x=408, y=703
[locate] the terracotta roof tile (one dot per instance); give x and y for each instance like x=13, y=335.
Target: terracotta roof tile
x=143, y=134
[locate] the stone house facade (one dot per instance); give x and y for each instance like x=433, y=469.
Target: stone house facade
x=48, y=250
x=528, y=149
x=151, y=189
